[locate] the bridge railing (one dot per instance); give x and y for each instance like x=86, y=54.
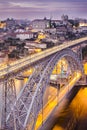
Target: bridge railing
x=35, y=57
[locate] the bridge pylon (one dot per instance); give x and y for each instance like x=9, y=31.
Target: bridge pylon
x=9, y=97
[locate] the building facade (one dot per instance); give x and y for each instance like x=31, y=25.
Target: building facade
x=24, y=35
x=40, y=24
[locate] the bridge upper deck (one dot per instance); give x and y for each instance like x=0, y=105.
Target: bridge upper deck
x=36, y=57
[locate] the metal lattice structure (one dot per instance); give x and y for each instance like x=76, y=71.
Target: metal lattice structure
x=9, y=97
x=25, y=109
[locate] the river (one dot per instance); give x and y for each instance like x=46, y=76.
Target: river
x=74, y=117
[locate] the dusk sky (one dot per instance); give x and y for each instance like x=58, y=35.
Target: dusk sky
x=31, y=9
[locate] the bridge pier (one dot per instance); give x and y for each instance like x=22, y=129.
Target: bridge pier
x=18, y=85
x=46, y=96
x=7, y=99
x=80, y=53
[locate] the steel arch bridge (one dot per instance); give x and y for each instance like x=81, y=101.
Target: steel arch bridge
x=26, y=107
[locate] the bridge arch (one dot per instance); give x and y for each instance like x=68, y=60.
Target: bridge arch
x=30, y=99
x=70, y=56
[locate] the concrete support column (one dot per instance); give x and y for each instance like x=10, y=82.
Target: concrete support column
x=46, y=95
x=19, y=85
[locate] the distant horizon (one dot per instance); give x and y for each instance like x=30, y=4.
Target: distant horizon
x=34, y=9
x=42, y=18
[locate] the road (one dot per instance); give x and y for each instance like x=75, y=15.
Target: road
x=73, y=116
x=60, y=116
x=42, y=116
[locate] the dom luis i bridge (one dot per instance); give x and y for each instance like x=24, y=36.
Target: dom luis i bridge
x=30, y=109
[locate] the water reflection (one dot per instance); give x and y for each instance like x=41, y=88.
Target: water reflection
x=74, y=117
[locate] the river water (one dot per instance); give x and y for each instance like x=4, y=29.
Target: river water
x=74, y=117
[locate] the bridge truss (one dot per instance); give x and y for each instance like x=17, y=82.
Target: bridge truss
x=22, y=111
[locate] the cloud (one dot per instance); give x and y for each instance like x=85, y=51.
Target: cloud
x=37, y=8
x=47, y=5
x=23, y=4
